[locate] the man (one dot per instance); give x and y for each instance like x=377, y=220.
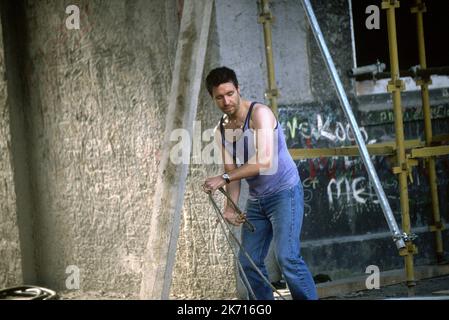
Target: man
x=253, y=148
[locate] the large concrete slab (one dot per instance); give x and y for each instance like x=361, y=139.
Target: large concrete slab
x=93, y=103
x=170, y=186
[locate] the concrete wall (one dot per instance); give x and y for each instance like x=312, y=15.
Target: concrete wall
x=241, y=46
x=301, y=74
x=95, y=104
x=333, y=18
x=89, y=128
x=10, y=262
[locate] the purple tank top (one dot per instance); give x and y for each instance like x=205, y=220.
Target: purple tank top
x=282, y=175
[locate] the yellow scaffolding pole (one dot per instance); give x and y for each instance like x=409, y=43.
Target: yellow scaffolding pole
x=267, y=19
x=430, y=152
x=437, y=227
x=415, y=149
x=403, y=169
x=377, y=149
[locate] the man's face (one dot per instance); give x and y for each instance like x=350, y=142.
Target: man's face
x=227, y=97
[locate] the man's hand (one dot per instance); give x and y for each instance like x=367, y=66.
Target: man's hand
x=213, y=183
x=232, y=217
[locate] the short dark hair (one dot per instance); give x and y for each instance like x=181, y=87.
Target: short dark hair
x=220, y=75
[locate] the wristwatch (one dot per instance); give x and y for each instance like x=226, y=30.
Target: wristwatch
x=226, y=177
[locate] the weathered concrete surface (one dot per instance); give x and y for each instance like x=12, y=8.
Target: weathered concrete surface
x=96, y=104
x=242, y=48
x=10, y=261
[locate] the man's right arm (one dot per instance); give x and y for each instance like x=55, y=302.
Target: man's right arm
x=232, y=188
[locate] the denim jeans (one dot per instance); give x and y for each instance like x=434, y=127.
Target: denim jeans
x=277, y=217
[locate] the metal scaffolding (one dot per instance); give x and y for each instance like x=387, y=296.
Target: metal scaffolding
x=424, y=82
x=403, y=164
x=405, y=152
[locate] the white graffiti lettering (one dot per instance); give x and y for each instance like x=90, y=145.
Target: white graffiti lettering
x=358, y=190
x=335, y=133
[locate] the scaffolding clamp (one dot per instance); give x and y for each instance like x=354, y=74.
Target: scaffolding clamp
x=407, y=166
x=409, y=237
x=395, y=85
x=265, y=13
x=409, y=248
x=387, y=4
x=266, y=17
x=271, y=93
x=420, y=80
x=437, y=226
x=419, y=8
x=423, y=81
x=406, y=237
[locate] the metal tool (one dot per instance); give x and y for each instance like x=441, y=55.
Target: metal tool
x=242, y=215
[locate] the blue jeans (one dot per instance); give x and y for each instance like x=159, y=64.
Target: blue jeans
x=277, y=217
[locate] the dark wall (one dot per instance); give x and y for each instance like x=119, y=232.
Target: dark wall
x=334, y=22
x=340, y=201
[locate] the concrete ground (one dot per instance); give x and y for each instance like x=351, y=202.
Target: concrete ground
x=432, y=282
x=429, y=288
x=425, y=289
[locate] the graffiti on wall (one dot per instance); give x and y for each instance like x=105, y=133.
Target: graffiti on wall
x=338, y=196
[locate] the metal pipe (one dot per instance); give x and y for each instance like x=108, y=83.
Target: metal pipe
x=396, y=85
x=237, y=210
x=267, y=19
x=397, y=236
x=419, y=9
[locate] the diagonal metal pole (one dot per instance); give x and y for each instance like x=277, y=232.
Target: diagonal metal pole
x=388, y=213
